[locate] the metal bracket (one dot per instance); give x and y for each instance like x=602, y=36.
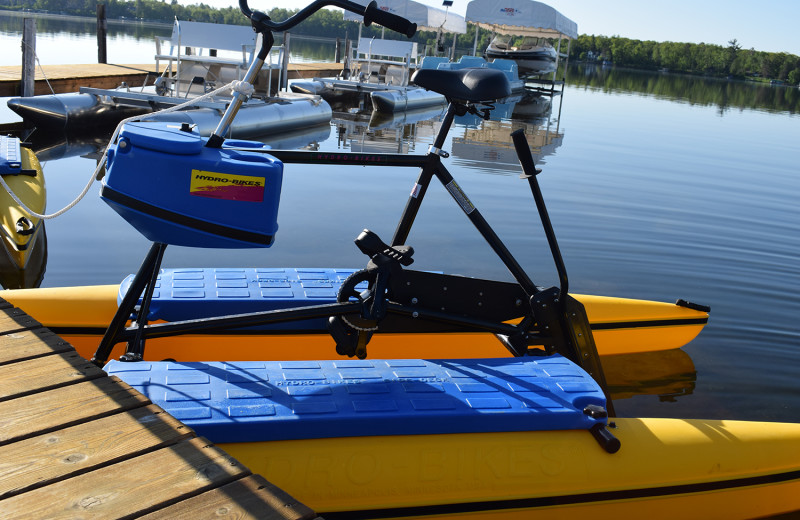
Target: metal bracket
x=438, y=151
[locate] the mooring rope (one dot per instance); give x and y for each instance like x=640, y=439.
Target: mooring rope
x=236, y=85
x=41, y=69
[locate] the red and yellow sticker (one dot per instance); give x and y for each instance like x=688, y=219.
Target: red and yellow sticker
x=227, y=186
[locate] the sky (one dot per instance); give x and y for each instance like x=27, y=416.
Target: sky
x=767, y=25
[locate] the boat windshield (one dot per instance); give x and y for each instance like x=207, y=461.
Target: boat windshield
x=501, y=41
x=531, y=42
x=517, y=43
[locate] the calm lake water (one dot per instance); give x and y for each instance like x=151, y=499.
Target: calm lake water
x=659, y=187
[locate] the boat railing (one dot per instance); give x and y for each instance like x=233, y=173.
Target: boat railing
x=384, y=61
x=205, y=54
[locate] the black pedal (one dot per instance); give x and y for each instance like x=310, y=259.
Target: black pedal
x=349, y=341
x=371, y=245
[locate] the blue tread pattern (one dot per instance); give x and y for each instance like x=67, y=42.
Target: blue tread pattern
x=191, y=293
x=278, y=400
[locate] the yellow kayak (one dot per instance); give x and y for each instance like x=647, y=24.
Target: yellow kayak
x=22, y=173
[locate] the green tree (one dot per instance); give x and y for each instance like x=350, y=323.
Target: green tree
x=733, y=51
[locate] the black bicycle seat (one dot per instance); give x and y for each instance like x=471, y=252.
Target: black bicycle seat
x=473, y=85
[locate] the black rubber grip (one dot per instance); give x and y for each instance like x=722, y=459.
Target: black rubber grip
x=606, y=439
x=524, y=152
x=388, y=20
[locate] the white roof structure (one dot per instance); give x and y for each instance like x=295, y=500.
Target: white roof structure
x=427, y=18
x=522, y=18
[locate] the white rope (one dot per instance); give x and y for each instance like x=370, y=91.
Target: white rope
x=96, y=175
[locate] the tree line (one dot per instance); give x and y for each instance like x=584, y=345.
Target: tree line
x=701, y=91
x=692, y=58
x=702, y=59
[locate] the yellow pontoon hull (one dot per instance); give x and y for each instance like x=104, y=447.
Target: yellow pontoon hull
x=30, y=189
x=665, y=468
x=620, y=326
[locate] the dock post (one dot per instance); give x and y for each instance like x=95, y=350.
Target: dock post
x=337, y=55
x=285, y=64
x=28, y=57
x=102, y=29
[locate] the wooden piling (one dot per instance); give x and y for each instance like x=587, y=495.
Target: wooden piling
x=348, y=52
x=102, y=30
x=28, y=56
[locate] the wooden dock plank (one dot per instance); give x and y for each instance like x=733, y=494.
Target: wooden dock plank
x=14, y=320
x=249, y=498
x=41, y=460
x=31, y=343
x=132, y=487
x=44, y=412
x=41, y=374
x=76, y=443
x=69, y=78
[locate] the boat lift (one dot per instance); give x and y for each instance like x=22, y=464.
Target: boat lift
x=525, y=18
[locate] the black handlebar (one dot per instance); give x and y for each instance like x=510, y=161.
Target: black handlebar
x=390, y=21
x=371, y=13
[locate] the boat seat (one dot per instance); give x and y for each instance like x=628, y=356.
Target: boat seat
x=433, y=62
x=473, y=85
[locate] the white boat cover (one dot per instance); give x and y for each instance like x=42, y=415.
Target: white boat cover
x=521, y=17
x=426, y=17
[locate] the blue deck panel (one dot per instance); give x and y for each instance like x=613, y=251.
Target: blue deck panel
x=10, y=155
x=184, y=294
x=280, y=400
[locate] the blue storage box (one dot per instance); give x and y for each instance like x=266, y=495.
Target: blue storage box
x=192, y=293
x=252, y=401
x=175, y=190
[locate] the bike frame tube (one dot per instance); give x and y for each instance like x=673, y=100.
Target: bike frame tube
x=430, y=165
x=345, y=158
x=485, y=229
x=423, y=181
x=235, y=321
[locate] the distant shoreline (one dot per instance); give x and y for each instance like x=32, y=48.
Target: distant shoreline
x=119, y=21
x=126, y=21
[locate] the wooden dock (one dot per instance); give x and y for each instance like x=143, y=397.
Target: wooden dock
x=69, y=78
x=76, y=443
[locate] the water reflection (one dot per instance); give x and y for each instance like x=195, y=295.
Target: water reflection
x=486, y=145
x=53, y=146
x=695, y=90
x=302, y=139
x=11, y=23
x=375, y=132
x=668, y=374
x=30, y=274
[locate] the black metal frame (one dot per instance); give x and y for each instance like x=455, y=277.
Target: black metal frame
x=550, y=317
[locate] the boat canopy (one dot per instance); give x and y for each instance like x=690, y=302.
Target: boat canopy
x=426, y=17
x=521, y=17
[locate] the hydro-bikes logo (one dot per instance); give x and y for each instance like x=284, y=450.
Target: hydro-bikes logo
x=510, y=11
x=217, y=185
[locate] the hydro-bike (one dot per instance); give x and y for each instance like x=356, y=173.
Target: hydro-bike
x=525, y=318
x=384, y=461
